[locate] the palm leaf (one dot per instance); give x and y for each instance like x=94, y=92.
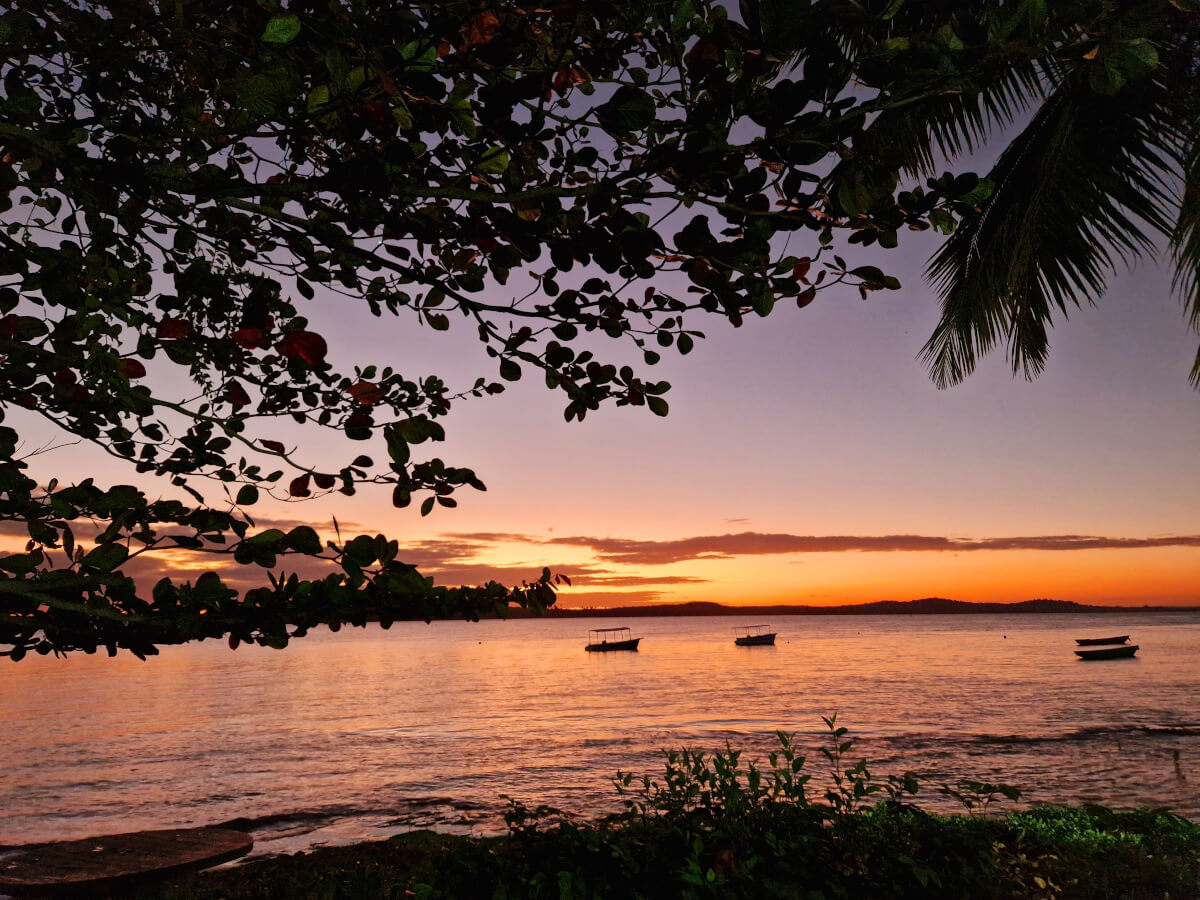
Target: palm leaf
x=1080, y=187
x=1185, y=246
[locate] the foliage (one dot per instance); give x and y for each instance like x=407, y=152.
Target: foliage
x=712, y=829
x=184, y=184
x=180, y=180
x=1107, y=161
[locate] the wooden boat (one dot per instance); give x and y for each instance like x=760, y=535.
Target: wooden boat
x=753, y=636
x=601, y=640
x=1087, y=642
x=1121, y=651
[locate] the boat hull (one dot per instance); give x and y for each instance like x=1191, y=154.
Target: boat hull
x=1124, y=652
x=755, y=640
x=1087, y=642
x=606, y=646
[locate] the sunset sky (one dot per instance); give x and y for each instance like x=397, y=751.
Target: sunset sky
x=807, y=459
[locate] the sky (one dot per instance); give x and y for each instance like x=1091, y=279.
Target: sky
x=807, y=459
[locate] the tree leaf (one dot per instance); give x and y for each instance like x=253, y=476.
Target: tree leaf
x=106, y=557
x=299, y=486
x=303, y=346
x=629, y=110
x=494, y=162
x=303, y=539
x=282, y=29
x=397, y=446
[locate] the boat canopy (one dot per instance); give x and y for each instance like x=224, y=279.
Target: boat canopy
x=598, y=635
x=751, y=630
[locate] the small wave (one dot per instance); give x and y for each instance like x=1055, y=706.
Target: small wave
x=920, y=741
x=457, y=803
x=1092, y=732
x=312, y=819
x=295, y=818
x=623, y=741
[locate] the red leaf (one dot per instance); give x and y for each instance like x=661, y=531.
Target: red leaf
x=171, y=328
x=237, y=395
x=325, y=482
x=480, y=29
x=9, y=325
x=131, y=368
x=366, y=392
x=806, y=297
x=800, y=270
x=274, y=446
x=299, y=486
x=703, y=57
x=530, y=212
x=305, y=346
x=735, y=320
x=377, y=118
x=250, y=338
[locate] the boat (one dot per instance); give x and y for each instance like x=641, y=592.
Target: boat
x=753, y=636
x=604, y=639
x=1121, y=651
x=1087, y=642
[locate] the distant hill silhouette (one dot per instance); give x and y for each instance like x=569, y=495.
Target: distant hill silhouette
x=927, y=606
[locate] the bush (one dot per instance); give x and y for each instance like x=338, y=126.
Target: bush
x=712, y=828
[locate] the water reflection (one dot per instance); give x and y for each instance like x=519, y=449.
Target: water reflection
x=362, y=733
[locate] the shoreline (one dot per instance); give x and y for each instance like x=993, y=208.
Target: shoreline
x=928, y=606
x=888, y=850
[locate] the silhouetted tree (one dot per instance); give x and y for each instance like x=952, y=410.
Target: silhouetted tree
x=175, y=175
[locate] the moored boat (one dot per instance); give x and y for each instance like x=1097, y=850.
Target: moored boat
x=1121, y=651
x=1087, y=642
x=601, y=640
x=753, y=636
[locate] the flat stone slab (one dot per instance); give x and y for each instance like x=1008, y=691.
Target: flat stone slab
x=105, y=862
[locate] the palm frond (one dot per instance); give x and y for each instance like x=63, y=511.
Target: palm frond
x=1185, y=247
x=916, y=135
x=1078, y=189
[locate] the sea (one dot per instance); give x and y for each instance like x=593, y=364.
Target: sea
x=366, y=733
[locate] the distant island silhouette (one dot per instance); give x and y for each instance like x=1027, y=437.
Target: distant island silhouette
x=927, y=606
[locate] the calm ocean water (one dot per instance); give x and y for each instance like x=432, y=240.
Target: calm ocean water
x=362, y=734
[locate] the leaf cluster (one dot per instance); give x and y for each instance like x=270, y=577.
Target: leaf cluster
x=179, y=179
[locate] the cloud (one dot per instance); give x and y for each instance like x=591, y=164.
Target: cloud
x=584, y=599
x=637, y=580
x=630, y=552
x=462, y=558
x=492, y=537
x=325, y=526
